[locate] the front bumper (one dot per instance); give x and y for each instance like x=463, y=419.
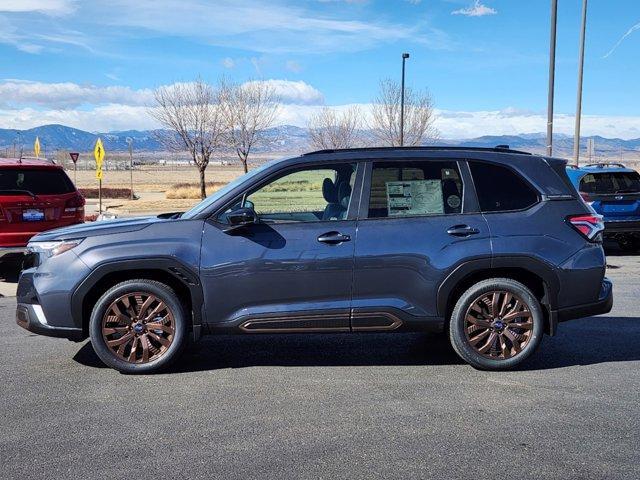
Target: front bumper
x=31, y=317
x=603, y=305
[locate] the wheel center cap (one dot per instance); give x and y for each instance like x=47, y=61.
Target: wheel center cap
x=498, y=324
x=138, y=327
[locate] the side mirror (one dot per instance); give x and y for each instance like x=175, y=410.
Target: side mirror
x=241, y=218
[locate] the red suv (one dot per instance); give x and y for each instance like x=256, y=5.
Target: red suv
x=35, y=195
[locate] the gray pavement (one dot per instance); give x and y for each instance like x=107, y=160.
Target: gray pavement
x=330, y=406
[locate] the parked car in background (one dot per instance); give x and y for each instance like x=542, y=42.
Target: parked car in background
x=35, y=195
x=613, y=191
x=492, y=246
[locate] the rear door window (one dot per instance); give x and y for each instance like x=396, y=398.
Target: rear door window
x=610, y=183
x=500, y=189
x=36, y=181
x=410, y=188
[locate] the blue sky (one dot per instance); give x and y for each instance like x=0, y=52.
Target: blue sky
x=92, y=64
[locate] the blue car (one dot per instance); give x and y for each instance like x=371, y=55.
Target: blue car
x=613, y=191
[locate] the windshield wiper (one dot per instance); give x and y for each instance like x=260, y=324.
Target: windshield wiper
x=18, y=190
x=626, y=190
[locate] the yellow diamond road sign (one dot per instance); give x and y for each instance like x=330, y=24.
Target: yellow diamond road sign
x=98, y=154
x=36, y=147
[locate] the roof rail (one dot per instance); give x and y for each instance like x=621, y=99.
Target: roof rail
x=606, y=164
x=498, y=148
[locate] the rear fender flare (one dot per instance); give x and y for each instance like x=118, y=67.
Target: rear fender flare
x=464, y=270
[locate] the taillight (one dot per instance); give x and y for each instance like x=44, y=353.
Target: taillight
x=2, y=217
x=589, y=226
x=74, y=206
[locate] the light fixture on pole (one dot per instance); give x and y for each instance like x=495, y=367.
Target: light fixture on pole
x=576, y=137
x=404, y=58
x=552, y=74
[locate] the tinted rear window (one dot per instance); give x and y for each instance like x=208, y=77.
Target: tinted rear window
x=500, y=189
x=610, y=182
x=39, y=182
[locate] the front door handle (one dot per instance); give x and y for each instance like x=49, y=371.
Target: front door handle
x=462, y=231
x=333, y=238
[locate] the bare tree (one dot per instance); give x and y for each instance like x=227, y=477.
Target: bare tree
x=192, y=112
x=330, y=129
x=249, y=109
x=418, y=116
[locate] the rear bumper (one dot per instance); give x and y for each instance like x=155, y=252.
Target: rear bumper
x=603, y=305
x=621, y=226
x=32, y=318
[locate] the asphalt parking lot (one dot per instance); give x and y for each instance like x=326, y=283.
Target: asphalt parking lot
x=330, y=406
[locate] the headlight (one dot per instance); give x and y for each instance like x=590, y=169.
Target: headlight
x=51, y=249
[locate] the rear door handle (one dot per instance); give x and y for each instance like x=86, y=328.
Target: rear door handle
x=333, y=238
x=462, y=231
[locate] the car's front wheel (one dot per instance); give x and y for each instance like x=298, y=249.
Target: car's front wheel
x=138, y=326
x=496, y=324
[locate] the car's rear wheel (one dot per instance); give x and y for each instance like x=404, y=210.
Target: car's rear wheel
x=629, y=243
x=496, y=324
x=138, y=326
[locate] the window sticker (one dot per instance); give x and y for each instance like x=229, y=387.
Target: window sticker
x=415, y=197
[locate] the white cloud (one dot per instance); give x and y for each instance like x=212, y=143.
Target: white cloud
x=48, y=7
x=477, y=9
x=228, y=62
x=68, y=95
x=266, y=27
x=629, y=32
x=290, y=92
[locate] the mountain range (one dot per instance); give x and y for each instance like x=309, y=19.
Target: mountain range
x=285, y=138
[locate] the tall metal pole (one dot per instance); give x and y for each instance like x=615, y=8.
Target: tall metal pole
x=552, y=74
x=130, y=142
x=404, y=57
x=576, y=136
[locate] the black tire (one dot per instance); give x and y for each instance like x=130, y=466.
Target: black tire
x=179, y=326
x=629, y=244
x=459, y=325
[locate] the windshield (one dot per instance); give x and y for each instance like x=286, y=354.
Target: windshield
x=35, y=181
x=611, y=182
x=204, y=204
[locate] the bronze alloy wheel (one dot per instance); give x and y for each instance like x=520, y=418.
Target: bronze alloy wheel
x=138, y=327
x=498, y=324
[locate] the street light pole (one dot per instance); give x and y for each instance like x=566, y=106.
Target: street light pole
x=404, y=58
x=576, y=137
x=130, y=142
x=552, y=74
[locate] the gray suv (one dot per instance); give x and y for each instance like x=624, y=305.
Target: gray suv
x=492, y=246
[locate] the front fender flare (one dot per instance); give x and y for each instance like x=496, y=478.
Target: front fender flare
x=170, y=265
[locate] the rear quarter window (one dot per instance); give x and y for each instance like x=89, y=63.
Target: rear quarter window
x=500, y=189
x=37, y=181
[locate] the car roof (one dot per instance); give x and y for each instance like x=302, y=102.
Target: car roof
x=496, y=149
x=28, y=163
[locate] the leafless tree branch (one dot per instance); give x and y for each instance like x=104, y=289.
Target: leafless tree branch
x=248, y=110
x=193, y=114
x=330, y=129
x=418, y=116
